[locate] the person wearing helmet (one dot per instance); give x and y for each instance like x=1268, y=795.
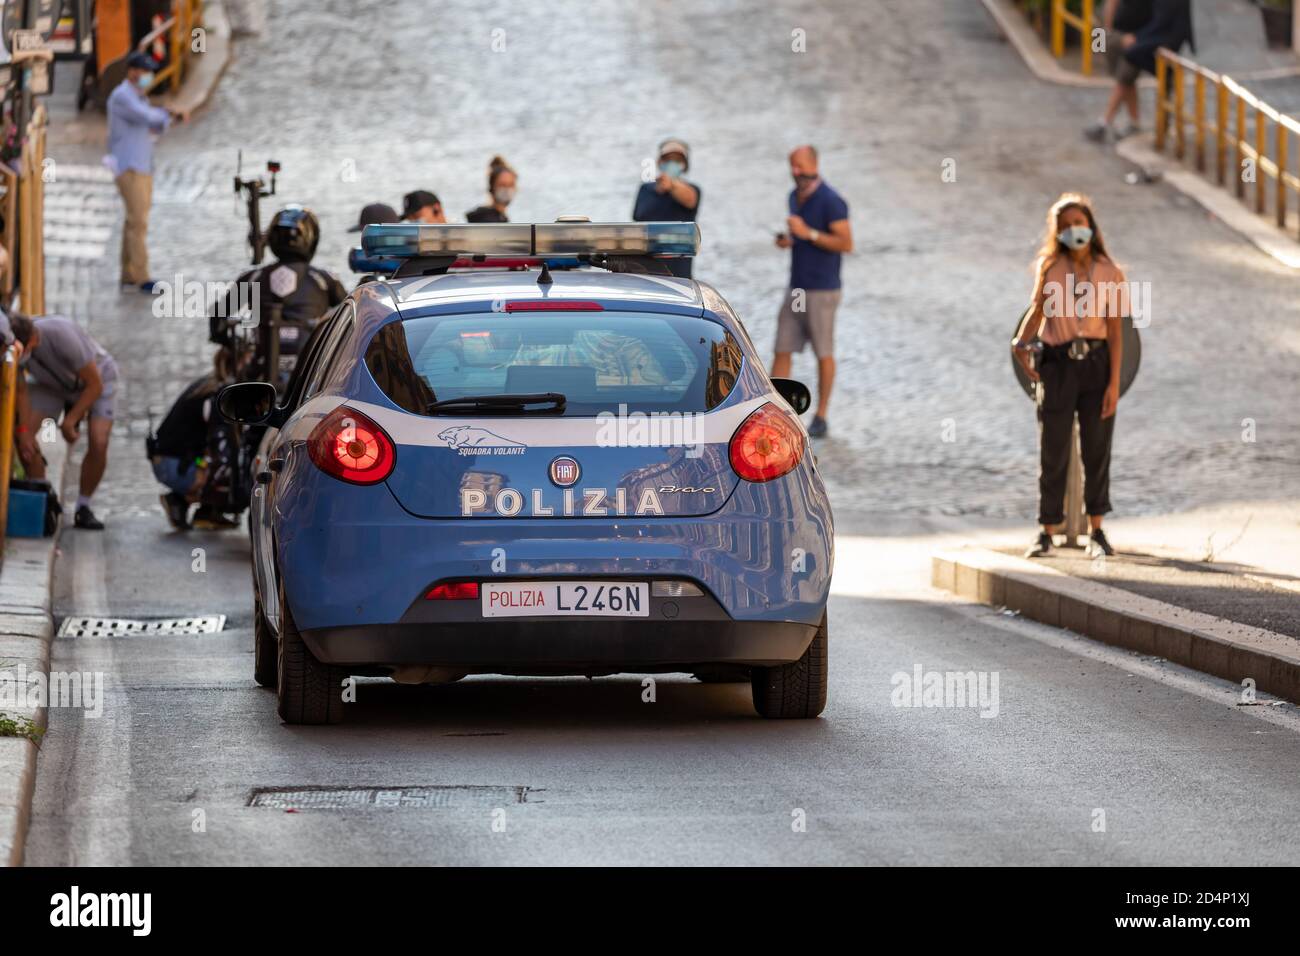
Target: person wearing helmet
x=287, y=298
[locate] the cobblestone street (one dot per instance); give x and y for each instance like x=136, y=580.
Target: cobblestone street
x=940, y=273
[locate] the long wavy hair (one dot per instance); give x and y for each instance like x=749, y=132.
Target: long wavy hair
x=1051, y=248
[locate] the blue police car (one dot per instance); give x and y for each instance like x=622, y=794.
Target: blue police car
x=529, y=450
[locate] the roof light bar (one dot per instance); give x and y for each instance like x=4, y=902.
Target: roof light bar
x=358, y=261
x=381, y=242
x=619, y=238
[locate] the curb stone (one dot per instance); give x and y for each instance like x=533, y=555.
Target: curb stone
x=1261, y=231
x=1040, y=61
x=202, y=78
x=1111, y=615
x=26, y=630
x=1013, y=25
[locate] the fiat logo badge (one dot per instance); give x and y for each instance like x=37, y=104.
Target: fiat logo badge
x=565, y=471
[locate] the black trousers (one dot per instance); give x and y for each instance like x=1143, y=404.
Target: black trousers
x=1070, y=386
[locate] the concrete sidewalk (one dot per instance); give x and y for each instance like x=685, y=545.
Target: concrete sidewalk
x=1229, y=39
x=68, y=126
x=26, y=622
x=1171, y=589
x=26, y=629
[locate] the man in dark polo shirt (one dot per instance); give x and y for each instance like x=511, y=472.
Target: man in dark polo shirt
x=818, y=236
x=670, y=198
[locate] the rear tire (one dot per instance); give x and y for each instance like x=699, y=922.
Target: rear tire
x=307, y=691
x=266, y=664
x=796, y=690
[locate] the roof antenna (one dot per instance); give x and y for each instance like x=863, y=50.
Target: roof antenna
x=544, y=278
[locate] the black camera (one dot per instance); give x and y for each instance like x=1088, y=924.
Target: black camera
x=254, y=191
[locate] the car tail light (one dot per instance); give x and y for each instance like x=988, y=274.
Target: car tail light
x=554, y=305
x=349, y=446
x=453, y=591
x=767, y=445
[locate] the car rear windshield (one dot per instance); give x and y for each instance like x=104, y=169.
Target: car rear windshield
x=597, y=360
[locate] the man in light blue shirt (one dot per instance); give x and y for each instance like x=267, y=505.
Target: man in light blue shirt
x=133, y=125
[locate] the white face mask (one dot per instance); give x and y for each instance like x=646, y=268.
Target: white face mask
x=503, y=194
x=1076, y=237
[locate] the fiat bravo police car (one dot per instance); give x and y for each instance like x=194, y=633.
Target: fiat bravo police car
x=529, y=450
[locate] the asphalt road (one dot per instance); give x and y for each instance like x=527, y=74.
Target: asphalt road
x=584, y=771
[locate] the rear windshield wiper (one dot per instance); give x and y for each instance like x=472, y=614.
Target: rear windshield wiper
x=552, y=404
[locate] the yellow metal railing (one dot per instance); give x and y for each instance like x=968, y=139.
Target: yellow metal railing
x=8, y=391
x=9, y=233
x=31, y=217
x=1083, y=21
x=23, y=203
x=177, y=31
x=1229, y=131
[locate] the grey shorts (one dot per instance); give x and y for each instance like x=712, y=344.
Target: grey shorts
x=52, y=402
x=1117, y=64
x=1126, y=74
x=815, y=323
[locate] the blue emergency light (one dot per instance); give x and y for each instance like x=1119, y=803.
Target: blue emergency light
x=359, y=262
x=381, y=243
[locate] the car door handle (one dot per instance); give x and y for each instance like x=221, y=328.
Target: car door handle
x=275, y=464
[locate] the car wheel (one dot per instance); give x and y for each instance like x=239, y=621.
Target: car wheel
x=307, y=691
x=265, y=653
x=796, y=690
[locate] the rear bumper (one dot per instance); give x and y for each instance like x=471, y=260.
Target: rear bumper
x=353, y=562
x=564, y=645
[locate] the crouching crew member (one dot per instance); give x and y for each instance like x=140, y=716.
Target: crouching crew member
x=72, y=375
x=185, y=452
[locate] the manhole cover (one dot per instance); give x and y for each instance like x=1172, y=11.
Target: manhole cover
x=127, y=626
x=350, y=798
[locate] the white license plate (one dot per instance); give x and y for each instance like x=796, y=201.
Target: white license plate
x=565, y=598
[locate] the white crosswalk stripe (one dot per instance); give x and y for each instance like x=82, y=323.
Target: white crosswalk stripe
x=82, y=208
x=82, y=205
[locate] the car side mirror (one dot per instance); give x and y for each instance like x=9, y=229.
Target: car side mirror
x=795, y=393
x=247, y=403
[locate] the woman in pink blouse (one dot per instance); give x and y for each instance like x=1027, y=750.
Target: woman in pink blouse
x=1080, y=298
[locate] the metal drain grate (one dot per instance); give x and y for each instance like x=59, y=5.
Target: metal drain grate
x=131, y=627
x=351, y=798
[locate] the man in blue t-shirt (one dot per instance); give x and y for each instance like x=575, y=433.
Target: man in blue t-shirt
x=818, y=236
x=670, y=198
